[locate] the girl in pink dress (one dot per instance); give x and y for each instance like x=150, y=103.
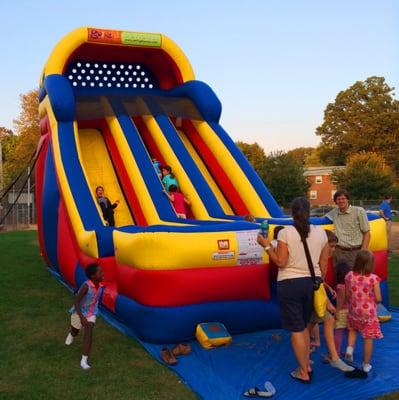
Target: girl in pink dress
x=363, y=293
x=178, y=201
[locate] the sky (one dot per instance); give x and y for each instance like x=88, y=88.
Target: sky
x=275, y=65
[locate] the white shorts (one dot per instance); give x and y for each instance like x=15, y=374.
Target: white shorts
x=77, y=324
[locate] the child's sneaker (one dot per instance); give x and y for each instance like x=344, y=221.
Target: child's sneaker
x=349, y=354
x=367, y=367
x=69, y=339
x=83, y=363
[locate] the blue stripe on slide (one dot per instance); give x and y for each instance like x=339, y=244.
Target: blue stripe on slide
x=249, y=171
x=201, y=185
x=76, y=179
x=80, y=190
x=50, y=204
x=204, y=228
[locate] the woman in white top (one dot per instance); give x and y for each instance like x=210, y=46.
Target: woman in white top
x=294, y=281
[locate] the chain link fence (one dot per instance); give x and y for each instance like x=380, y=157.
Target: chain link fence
x=17, y=206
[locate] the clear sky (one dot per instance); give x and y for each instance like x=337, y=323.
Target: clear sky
x=274, y=64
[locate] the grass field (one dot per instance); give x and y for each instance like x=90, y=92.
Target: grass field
x=35, y=363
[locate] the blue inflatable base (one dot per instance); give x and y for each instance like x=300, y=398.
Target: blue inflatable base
x=255, y=358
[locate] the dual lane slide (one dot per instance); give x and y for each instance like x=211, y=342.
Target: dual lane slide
x=101, y=162
x=110, y=101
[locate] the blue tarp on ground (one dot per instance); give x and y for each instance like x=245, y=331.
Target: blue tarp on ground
x=254, y=358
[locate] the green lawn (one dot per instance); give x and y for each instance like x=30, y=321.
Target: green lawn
x=35, y=363
x=396, y=218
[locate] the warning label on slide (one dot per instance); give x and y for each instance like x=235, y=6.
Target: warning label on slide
x=249, y=251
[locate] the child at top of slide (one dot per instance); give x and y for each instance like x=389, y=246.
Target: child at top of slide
x=157, y=167
x=168, y=177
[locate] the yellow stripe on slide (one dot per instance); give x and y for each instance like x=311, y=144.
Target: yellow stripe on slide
x=232, y=169
x=205, y=173
x=99, y=171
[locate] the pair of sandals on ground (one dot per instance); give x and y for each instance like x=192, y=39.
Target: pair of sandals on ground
x=256, y=392
x=168, y=356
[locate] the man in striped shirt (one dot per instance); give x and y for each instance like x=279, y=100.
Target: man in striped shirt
x=351, y=227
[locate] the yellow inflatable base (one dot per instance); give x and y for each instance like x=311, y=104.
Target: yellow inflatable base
x=212, y=334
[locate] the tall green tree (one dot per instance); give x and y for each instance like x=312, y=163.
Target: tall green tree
x=364, y=117
x=255, y=155
x=366, y=176
x=284, y=177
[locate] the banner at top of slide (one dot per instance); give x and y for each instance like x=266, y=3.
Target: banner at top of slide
x=162, y=54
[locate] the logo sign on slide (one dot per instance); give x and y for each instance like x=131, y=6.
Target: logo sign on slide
x=104, y=36
x=141, y=39
x=124, y=37
x=224, y=244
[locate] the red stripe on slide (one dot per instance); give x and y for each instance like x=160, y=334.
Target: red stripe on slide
x=39, y=178
x=66, y=251
x=120, y=168
x=148, y=140
x=193, y=286
x=211, y=162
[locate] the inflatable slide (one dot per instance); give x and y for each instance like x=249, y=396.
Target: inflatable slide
x=110, y=103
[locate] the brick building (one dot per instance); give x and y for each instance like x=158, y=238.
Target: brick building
x=321, y=186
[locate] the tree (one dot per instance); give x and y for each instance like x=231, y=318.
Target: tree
x=255, y=155
x=364, y=117
x=313, y=158
x=284, y=177
x=300, y=154
x=366, y=176
x=7, y=146
x=27, y=133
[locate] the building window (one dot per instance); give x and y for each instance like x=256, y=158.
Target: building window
x=313, y=194
x=319, y=179
x=332, y=193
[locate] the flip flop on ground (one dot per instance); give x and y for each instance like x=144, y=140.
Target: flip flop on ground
x=295, y=375
x=168, y=357
x=356, y=374
x=181, y=349
x=255, y=392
